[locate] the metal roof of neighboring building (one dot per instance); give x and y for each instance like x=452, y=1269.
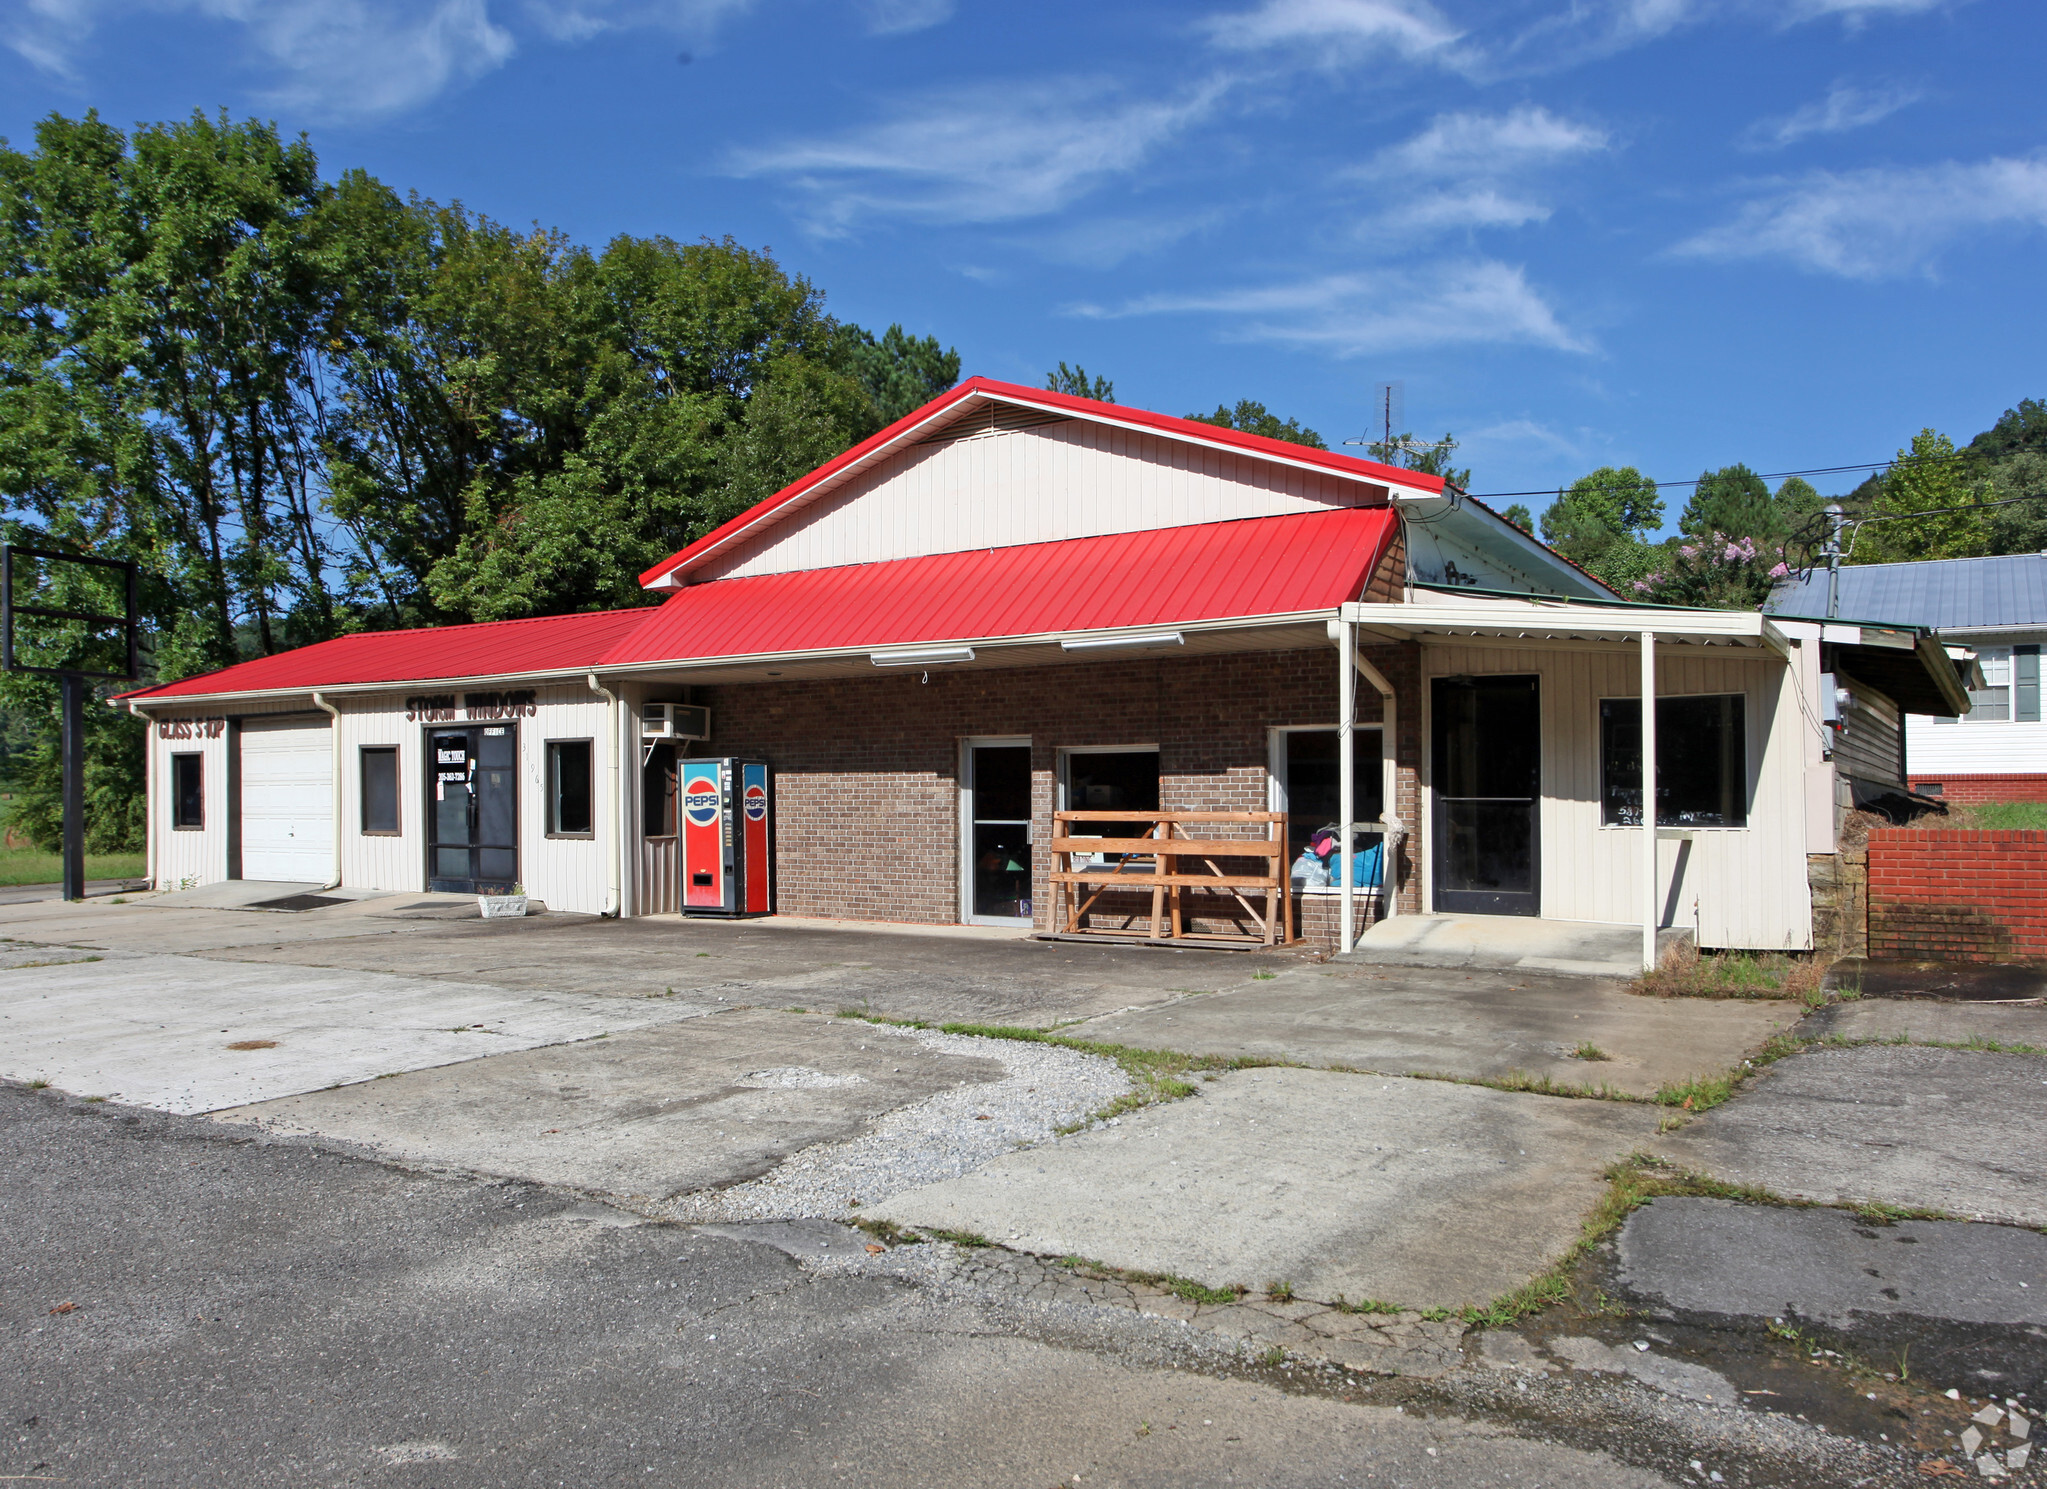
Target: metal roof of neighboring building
x=1948, y=594
x=1170, y=576
x=489, y=649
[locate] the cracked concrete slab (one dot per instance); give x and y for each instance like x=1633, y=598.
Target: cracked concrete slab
x=646, y=1114
x=1960, y=1131
x=158, y=1031
x=1475, y=1023
x=1423, y=1193
x=1716, y=1256
x=1920, y=1021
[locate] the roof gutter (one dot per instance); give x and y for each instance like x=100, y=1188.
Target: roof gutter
x=614, y=865
x=334, y=772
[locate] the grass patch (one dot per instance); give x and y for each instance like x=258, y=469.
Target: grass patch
x=886, y=1231
x=38, y=1084
x=1687, y=972
x=1535, y=1085
x=34, y=866
x=1155, y=1075
x=1184, y=1288
x=1364, y=1305
x=1589, y=1051
x=1279, y=1292
x=1991, y=816
x=971, y=1239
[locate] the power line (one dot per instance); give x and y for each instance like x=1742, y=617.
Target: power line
x=1823, y=470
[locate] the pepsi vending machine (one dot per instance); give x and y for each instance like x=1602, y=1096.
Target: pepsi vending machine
x=727, y=866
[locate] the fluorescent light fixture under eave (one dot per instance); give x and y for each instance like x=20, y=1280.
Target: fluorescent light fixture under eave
x=1114, y=643
x=929, y=658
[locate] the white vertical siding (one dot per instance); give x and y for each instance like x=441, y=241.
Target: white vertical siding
x=1740, y=887
x=567, y=873
x=1072, y=479
x=185, y=856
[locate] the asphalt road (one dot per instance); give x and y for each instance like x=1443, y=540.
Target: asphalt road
x=186, y=1305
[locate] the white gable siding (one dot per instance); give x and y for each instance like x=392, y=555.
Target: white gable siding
x=1070, y=479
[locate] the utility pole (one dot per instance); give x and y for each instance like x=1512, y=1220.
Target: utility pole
x=1835, y=522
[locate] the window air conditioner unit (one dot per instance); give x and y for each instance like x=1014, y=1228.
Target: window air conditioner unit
x=674, y=721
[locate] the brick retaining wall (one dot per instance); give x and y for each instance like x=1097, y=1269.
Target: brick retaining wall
x=1942, y=894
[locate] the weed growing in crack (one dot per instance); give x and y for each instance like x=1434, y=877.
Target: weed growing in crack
x=1279, y=1292
x=1589, y=1051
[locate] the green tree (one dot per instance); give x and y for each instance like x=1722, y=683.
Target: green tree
x=1254, y=418
x=1075, y=381
x=1733, y=501
x=1521, y=517
x=1600, y=523
x=1927, y=506
x=2019, y=478
x=1431, y=460
x=900, y=372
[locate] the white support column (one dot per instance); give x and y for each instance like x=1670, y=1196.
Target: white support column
x=1346, y=758
x=1649, y=897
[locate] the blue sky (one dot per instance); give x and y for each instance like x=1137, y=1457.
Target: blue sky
x=1672, y=233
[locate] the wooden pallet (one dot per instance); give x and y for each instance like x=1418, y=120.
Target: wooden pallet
x=1156, y=862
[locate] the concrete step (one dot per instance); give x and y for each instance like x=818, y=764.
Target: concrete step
x=1582, y=947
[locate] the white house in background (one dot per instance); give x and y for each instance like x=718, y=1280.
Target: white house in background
x=1995, y=607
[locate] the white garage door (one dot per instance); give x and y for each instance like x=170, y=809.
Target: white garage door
x=287, y=802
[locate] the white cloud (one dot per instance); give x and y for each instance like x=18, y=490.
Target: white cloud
x=1485, y=164
x=578, y=20
x=1854, y=10
x=1844, y=108
x=1477, y=302
x=1883, y=222
x=986, y=156
x=1468, y=146
x=896, y=17
x=1343, y=29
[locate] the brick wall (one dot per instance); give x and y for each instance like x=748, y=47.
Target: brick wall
x=1983, y=788
x=1942, y=894
x=866, y=769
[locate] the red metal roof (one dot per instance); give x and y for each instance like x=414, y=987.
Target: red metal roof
x=1171, y=576
x=1136, y=418
x=553, y=643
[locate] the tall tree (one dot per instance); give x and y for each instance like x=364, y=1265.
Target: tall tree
x=1601, y=521
x=1075, y=381
x=1254, y=418
x=1927, y=506
x=900, y=372
x=1733, y=501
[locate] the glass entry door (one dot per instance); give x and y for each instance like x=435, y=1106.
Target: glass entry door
x=1487, y=777
x=472, y=809
x=996, y=819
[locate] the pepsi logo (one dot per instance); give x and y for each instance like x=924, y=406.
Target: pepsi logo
x=700, y=802
x=756, y=803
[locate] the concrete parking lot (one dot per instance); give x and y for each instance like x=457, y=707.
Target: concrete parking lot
x=737, y=1078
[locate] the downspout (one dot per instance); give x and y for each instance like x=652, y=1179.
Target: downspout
x=334, y=733
x=615, y=862
x=149, y=796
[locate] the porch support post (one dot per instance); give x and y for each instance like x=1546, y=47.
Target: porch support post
x=1649, y=897
x=1346, y=757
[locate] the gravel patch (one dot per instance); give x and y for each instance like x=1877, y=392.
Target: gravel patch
x=938, y=1138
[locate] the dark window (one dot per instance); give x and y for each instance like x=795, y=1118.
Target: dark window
x=568, y=787
x=380, y=789
x=1701, y=762
x=657, y=792
x=1110, y=781
x=188, y=791
x=1310, y=784
x=2025, y=684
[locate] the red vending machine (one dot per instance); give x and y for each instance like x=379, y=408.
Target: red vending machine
x=727, y=817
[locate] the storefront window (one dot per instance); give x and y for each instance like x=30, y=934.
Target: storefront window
x=1701, y=762
x=1309, y=781
x=568, y=787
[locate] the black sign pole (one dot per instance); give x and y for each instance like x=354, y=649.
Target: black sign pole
x=74, y=786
